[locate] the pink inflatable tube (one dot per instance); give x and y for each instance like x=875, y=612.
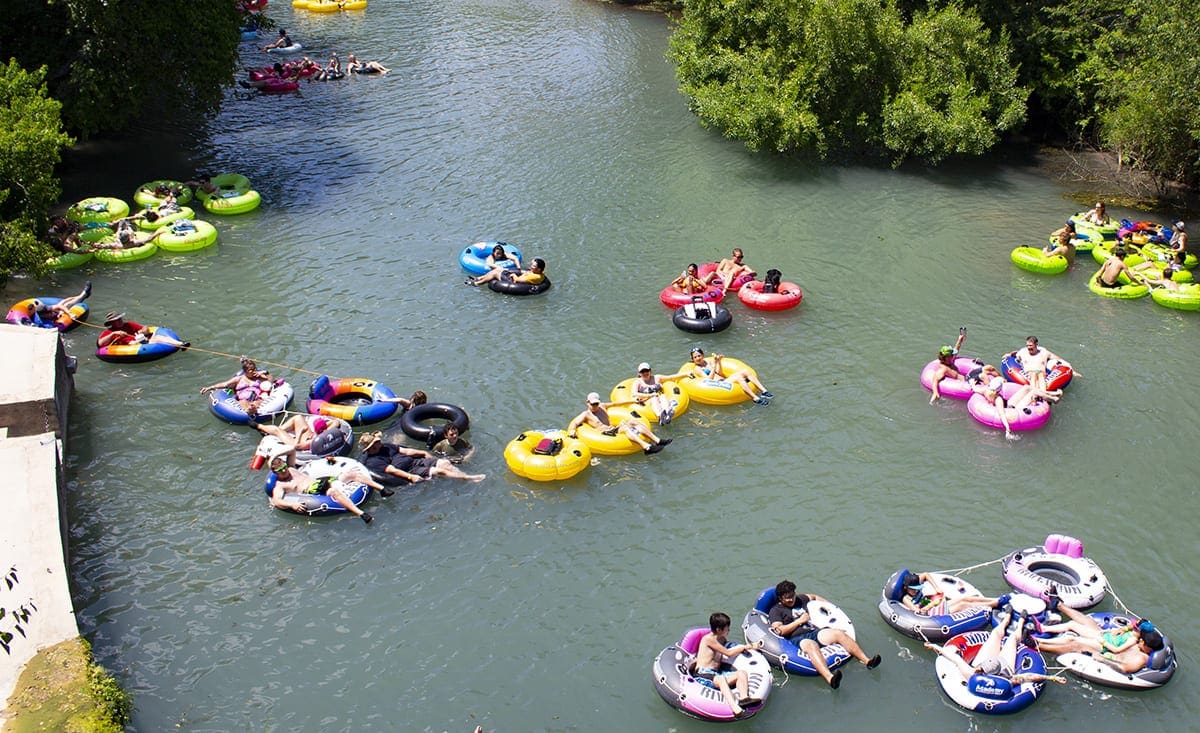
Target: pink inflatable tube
x=957, y=389
x=1077, y=580
x=1032, y=417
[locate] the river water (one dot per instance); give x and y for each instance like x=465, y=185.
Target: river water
x=538, y=607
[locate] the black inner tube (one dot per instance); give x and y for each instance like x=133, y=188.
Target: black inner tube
x=1052, y=571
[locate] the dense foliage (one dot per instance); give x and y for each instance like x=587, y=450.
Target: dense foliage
x=919, y=79
x=31, y=140
x=104, y=64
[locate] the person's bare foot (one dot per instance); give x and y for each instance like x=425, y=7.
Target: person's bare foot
x=478, y=477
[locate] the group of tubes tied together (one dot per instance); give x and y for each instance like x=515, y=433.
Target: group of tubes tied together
x=1136, y=258
x=1015, y=397
x=695, y=296
x=621, y=425
x=103, y=227
x=988, y=649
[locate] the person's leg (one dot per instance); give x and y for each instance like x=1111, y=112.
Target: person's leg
x=837, y=636
x=444, y=467
x=337, y=494
x=1002, y=410
x=991, y=648
x=952, y=654
x=723, y=685
x=642, y=430
x=632, y=431
x=812, y=650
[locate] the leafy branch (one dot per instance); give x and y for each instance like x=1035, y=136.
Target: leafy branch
x=15, y=618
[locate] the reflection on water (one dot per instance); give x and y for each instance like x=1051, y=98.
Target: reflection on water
x=523, y=606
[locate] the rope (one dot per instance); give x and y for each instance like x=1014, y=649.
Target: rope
x=969, y=568
x=237, y=357
x=1117, y=600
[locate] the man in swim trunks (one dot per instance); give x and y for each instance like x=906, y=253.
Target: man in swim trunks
x=596, y=415
x=290, y=480
x=710, y=658
x=790, y=619
x=1064, y=243
x=946, y=368
x=997, y=656
x=732, y=267
x=1112, y=268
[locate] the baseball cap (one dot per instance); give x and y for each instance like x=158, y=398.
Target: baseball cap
x=320, y=424
x=593, y=398
x=644, y=366
x=948, y=350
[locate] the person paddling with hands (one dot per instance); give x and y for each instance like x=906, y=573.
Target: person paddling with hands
x=946, y=368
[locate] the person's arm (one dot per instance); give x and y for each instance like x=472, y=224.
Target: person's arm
x=465, y=450
x=576, y=423
x=221, y=385
x=720, y=652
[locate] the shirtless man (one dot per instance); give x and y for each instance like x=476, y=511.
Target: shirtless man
x=596, y=415
x=290, y=480
x=1127, y=649
x=1112, y=269
x=1034, y=362
x=1064, y=243
x=731, y=268
x=711, y=655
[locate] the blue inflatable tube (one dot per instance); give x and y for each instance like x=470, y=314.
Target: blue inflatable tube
x=224, y=404
x=132, y=353
x=316, y=505
x=783, y=653
x=473, y=256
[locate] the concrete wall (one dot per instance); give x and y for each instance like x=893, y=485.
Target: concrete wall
x=35, y=390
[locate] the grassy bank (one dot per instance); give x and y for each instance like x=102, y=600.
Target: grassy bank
x=62, y=689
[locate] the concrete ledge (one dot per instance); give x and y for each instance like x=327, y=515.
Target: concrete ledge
x=36, y=388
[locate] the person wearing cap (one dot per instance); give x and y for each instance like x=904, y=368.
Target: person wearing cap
x=289, y=480
x=923, y=595
x=535, y=275
x=649, y=389
x=997, y=656
x=798, y=629
x=709, y=368
x=250, y=386
x=1178, y=241
x=1035, y=362
x=118, y=331
x=946, y=368
x=44, y=316
x=596, y=415
x=410, y=464
x=1064, y=243
x=1127, y=648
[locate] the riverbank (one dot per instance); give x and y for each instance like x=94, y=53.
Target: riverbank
x=47, y=678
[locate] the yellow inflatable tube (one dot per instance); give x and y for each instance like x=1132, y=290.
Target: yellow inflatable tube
x=671, y=390
x=570, y=460
x=717, y=392
x=618, y=444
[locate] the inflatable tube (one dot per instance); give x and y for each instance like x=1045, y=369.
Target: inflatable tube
x=752, y=296
x=1106, y=231
x=123, y=256
x=473, y=258
x=412, y=422
x=1126, y=290
x=335, y=440
x=716, y=391
x=356, y=400
x=1080, y=583
x=22, y=314
x=68, y=260
x=1058, y=375
x=269, y=86
x=294, y=48
x=234, y=195
x=702, y=317
x=316, y=505
x=98, y=209
x=1031, y=417
x=1186, y=298
x=135, y=353
x=616, y=444
x=146, y=197
x=783, y=653
x=187, y=236
x=1163, y=253
x=675, y=395
x=985, y=693
x=1157, y=672
x=506, y=285
x=184, y=213
x=1034, y=259
x=224, y=403
x=956, y=389
x=674, y=677
x=1102, y=251
x=573, y=457
x=1083, y=241
x=935, y=627
x=673, y=299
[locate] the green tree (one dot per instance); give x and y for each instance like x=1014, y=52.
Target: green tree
x=840, y=77
x=31, y=140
